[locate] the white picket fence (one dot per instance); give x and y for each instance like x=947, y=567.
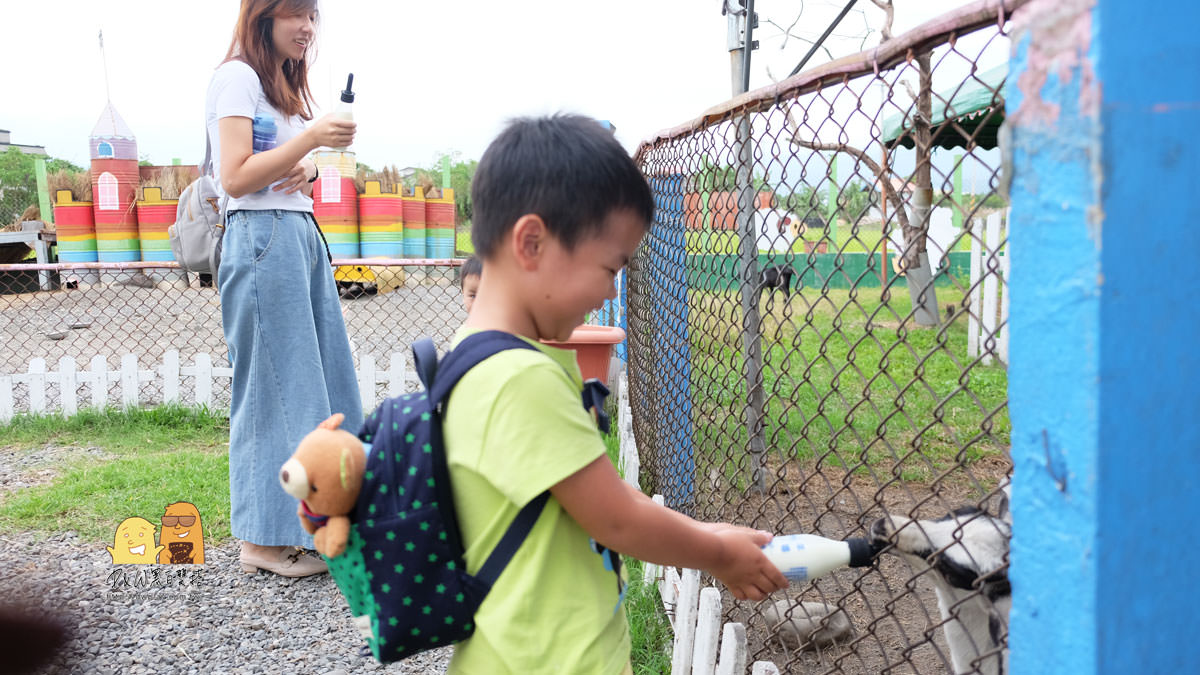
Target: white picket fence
x=984, y=318
x=701, y=646
x=67, y=382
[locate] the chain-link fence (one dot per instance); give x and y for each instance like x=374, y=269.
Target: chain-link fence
x=85, y=312
x=817, y=338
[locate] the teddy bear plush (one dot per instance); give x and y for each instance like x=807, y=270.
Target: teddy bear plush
x=325, y=474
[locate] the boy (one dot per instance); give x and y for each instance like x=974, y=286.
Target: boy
x=468, y=276
x=559, y=209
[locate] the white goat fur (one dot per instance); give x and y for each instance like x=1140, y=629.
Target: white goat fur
x=967, y=554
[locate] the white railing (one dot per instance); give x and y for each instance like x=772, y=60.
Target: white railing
x=68, y=381
x=983, y=317
x=695, y=613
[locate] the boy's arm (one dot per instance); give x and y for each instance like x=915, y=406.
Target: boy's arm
x=625, y=520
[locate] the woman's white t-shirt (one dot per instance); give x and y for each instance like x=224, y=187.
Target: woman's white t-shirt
x=235, y=91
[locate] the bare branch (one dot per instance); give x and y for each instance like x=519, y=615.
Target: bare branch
x=881, y=172
x=890, y=14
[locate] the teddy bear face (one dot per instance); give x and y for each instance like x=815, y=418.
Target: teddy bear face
x=326, y=471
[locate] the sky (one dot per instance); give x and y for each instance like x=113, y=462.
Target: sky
x=427, y=81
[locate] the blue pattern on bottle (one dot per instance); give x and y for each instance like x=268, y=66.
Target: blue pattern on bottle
x=265, y=133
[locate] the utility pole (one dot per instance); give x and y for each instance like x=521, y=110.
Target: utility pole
x=741, y=43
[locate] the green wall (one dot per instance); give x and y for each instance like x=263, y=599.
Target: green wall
x=846, y=270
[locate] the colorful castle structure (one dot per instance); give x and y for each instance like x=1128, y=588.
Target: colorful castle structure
x=113, y=152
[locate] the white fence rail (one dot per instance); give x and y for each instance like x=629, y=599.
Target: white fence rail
x=695, y=613
x=989, y=263
x=61, y=391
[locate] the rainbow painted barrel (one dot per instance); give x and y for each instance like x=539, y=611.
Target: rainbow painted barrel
x=414, y=223
x=76, y=225
x=335, y=202
x=439, y=225
x=114, y=188
x=380, y=222
x=154, y=216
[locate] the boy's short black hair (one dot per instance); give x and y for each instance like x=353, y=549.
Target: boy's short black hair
x=471, y=267
x=565, y=168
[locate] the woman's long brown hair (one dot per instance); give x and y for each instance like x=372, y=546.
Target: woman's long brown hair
x=286, y=88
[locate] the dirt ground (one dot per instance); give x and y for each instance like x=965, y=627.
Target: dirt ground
x=897, y=625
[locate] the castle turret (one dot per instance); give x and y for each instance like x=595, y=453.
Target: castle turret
x=113, y=151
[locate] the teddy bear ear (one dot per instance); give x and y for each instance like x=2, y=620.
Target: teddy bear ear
x=334, y=421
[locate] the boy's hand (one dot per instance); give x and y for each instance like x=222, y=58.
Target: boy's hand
x=743, y=567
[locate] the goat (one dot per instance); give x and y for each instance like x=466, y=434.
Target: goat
x=967, y=551
x=777, y=276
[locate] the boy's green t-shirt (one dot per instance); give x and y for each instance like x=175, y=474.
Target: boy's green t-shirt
x=514, y=427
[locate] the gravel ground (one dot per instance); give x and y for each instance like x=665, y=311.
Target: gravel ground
x=217, y=620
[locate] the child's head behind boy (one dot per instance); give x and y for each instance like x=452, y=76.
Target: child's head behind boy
x=559, y=209
x=468, y=276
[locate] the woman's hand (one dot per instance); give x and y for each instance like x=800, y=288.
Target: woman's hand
x=331, y=132
x=297, y=177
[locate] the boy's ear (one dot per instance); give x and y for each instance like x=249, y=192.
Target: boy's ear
x=529, y=238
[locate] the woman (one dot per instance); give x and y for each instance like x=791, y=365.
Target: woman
x=287, y=341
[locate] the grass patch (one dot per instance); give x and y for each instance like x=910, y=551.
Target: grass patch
x=160, y=455
x=649, y=630
x=846, y=382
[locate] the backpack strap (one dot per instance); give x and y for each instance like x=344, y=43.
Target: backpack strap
x=513, y=537
x=468, y=354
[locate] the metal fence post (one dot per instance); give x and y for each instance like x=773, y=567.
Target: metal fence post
x=741, y=45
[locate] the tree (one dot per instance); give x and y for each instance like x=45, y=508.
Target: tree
x=721, y=178
x=18, y=183
x=461, y=173
x=914, y=226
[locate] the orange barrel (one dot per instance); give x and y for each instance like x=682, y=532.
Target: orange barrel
x=439, y=225
x=414, y=223
x=335, y=202
x=76, y=227
x=380, y=223
x=114, y=188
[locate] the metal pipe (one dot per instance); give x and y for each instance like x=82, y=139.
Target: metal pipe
x=747, y=46
x=821, y=40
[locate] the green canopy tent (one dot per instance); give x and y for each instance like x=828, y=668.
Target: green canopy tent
x=972, y=111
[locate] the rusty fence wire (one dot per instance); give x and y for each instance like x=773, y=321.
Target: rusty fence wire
x=83, y=312
x=817, y=340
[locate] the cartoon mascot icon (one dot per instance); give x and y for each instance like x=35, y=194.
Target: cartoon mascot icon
x=133, y=543
x=182, y=535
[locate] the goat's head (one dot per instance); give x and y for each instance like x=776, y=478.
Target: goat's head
x=967, y=553
x=968, y=547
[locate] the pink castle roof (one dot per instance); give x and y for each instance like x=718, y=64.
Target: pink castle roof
x=110, y=125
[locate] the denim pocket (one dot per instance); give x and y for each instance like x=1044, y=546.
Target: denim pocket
x=261, y=228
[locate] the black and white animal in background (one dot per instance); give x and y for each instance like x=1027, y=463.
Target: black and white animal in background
x=776, y=276
x=966, y=552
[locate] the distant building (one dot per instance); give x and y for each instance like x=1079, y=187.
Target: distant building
x=5, y=144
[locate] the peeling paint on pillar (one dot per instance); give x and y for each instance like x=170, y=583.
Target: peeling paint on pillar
x=1055, y=266
x=1103, y=115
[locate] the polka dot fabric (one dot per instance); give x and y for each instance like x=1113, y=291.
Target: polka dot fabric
x=403, y=568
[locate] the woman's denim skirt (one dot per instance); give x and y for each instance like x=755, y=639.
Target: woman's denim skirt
x=291, y=361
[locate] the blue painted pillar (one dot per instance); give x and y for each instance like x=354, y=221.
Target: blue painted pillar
x=1103, y=99
x=668, y=291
